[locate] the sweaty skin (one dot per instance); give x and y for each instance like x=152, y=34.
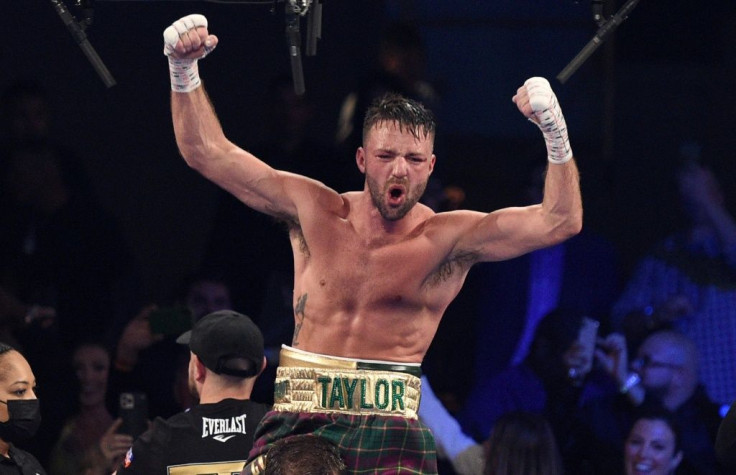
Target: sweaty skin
x=374, y=269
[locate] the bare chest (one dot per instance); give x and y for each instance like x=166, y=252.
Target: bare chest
x=356, y=273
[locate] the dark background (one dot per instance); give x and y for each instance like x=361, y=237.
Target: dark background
x=664, y=76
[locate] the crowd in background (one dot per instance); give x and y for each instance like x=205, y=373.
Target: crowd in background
x=664, y=355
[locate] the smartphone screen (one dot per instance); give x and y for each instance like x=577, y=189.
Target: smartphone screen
x=133, y=409
x=170, y=320
x=587, y=337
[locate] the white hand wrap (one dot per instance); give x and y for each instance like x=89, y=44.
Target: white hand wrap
x=184, y=73
x=550, y=119
x=180, y=27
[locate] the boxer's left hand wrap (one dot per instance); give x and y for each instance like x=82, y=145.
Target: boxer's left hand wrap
x=184, y=72
x=549, y=119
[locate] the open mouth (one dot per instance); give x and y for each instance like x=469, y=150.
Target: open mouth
x=396, y=194
x=642, y=467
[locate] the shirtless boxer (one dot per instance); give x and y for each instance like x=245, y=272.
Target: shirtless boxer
x=374, y=270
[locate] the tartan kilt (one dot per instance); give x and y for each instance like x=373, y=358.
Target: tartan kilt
x=369, y=444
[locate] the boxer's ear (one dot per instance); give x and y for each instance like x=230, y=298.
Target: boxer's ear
x=360, y=159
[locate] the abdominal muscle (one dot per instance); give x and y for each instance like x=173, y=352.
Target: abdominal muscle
x=366, y=313
x=398, y=336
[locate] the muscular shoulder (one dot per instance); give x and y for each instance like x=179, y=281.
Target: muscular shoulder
x=447, y=229
x=443, y=231
x=457, y=220
x=315, y=202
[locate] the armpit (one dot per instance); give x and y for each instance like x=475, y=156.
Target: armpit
x=296, y=233
x=460, y=262
x=294, y=228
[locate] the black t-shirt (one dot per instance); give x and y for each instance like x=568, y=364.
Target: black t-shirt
x=209, y=438
x=20, y=463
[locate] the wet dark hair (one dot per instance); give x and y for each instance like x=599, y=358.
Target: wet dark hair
x=304, y=454
x=407, y=113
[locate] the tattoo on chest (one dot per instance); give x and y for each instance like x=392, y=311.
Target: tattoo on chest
x=299, y=313
x=459, y=263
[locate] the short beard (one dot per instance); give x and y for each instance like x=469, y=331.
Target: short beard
x=393, y=214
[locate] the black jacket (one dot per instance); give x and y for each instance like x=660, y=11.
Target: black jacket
x=214, y=438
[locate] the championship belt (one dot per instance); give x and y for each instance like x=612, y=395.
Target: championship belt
x=314, y=383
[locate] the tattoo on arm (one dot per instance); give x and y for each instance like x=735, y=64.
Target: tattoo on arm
x=299, y=313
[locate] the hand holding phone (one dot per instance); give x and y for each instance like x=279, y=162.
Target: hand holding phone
x=587, y=339
x=170, y=320
x=581, y=361
x=133, y=409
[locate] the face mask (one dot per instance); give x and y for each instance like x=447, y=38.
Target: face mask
x=25, y=417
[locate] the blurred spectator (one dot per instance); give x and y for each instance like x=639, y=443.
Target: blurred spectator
x=50, y=211
x=205, y=292
x=694, y=270
x=581, y=274
x=653, y=445
x=305, y=454
x=214, y=436
x=638, y=324
x=20, y=416
x=64, y=270
x=522, y=443
x=26, y=116
x=146, y=356
x=553, y=380
x=88, y=443
x=665, y=375
x=289, y=138
x=58, y=249
x=25, y=112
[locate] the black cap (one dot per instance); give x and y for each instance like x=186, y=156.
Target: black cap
x=222, y=336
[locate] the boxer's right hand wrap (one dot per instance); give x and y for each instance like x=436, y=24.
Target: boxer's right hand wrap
x=550, y=119
x=183, y=72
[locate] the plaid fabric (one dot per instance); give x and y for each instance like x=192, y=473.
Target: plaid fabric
x=368, y=444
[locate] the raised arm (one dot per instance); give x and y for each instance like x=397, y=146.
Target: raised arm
x=510, y=232
x=200, y=137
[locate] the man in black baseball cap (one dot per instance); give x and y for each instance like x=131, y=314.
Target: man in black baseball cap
x=226, y=342
x=215, y=436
